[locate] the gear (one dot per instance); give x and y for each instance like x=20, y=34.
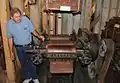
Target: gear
x=112, y=29
x=102, y=49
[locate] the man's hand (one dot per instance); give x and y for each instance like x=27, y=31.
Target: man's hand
x=35, y=33
x=42, y=38
x=12, y=56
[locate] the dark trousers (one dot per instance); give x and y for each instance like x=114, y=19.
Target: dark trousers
x=28, y=68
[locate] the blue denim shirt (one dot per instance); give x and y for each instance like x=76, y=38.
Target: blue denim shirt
x=20, y=32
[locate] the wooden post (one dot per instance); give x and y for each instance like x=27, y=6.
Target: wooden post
x=35, y=16
x=41, y=4
x=44, y=17
x=9, y=64
x=108, y=58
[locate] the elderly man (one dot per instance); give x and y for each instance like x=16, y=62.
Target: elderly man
x=19, y=30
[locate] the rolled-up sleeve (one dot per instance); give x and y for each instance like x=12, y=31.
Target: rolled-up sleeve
x=30, y=24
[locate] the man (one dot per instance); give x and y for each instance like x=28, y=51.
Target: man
x=19, y=30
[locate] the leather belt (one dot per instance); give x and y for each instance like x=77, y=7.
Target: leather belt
x=22, y=45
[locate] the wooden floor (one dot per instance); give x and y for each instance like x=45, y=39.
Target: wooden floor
x=3, y=77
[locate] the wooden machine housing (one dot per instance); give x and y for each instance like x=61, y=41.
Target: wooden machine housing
x=61, y=54
x=63, y=5
x=61, y=51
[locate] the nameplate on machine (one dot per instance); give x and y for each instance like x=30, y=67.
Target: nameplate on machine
x=65, y=8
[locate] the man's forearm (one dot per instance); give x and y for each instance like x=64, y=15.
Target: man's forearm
x=10, y=41
x=35, y=33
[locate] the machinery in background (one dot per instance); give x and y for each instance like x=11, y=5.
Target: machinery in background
x=112, y=30
x=74, y=58
x=63, y=5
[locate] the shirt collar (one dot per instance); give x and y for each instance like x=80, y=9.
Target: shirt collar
x=13, y=22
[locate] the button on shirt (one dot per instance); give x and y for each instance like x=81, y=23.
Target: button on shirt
x=20, y=32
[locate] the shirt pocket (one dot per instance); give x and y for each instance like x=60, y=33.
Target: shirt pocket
x=26, y=28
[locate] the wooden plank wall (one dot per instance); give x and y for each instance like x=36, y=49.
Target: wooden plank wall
x=9, y=64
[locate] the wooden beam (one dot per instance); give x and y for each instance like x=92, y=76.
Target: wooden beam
x=9, y=64
x=35, y=16
x=43, y=16
x=109, y=55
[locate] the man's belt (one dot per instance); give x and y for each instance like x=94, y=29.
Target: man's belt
x=23, y=45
